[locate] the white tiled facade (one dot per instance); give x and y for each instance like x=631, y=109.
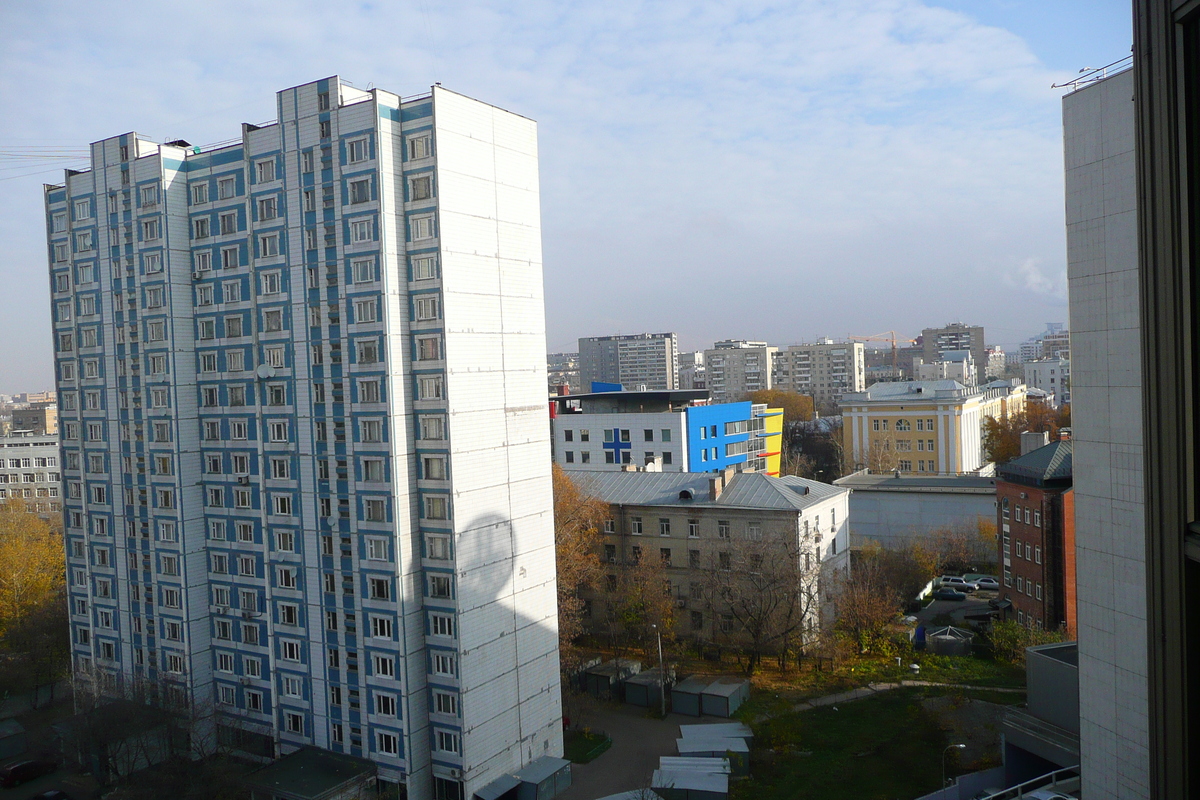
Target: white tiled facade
x=308, y=462
x=1106, y=393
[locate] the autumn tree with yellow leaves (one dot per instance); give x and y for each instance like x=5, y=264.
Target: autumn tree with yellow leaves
x=578, y=523
x=34, y=628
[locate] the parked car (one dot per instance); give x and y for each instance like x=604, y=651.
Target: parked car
x=987, y=584
x=53, y=794
x=955, y=582
x=946, y=593
x=24, y=771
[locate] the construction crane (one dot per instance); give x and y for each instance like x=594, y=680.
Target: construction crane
x=886, y=336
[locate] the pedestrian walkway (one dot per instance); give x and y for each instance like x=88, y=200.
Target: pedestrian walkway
x=872, y=689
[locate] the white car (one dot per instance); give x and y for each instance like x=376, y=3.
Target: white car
x=986, y=584
x=955, y=582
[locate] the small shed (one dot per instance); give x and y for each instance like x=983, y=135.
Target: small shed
x=950, y=641
x=685, y=695
x=503, y=788
x=732, y=730
x=311, y=773
x=606, y=681
x=690, y=785
x=723, y=696
x=717, y=766
x=543, y=778
x=644, y=689
x=732, y=748
x=12, y=739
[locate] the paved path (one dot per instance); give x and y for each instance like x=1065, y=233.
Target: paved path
x=875, y=688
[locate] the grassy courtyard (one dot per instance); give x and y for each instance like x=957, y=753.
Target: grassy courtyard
x=883, y=747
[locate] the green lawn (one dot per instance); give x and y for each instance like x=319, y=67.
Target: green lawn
x=580, y=746
x=880, y=748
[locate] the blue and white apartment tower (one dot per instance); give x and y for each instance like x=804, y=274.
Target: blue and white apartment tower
x=306, y=456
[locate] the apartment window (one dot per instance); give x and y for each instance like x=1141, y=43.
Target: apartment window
x=635, y=526
x=445, y=703
x=368, y=351
x=424, y=268
x=226, y=188
x=268, y=245
x=419, y=146
x=664, y=527
x=200, y=228
x=384, y=666
x=375, y=510
x=420, y=228
x=365, y=311
x=360, y=192
x=438, y=549
x=268, y=208
x=289, y=650
x=381, y=627
x=693, y=528
x=428, y=307
x=1037, y=555
x=439, y=586
x=443, y=664
x=420, y=188
x=441, y=625
x=433, y=427
x=273, y=320
x=447, y=741
x=265, y=170
x=254, y=700
x=429, y=387
x=362, y=230
x=723, y=529
x=363, y=270
x=274, y=356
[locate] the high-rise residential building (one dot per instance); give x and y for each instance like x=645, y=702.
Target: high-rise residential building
x=825, y=369
x=735, y=367
x=1108, y=392
x=996, y=363
x=640, y=360
x=954, y=336
x=307, y=457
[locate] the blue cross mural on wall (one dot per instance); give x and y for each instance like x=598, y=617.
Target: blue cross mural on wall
x=616, y=442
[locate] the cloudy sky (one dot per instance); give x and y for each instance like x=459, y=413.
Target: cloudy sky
x=731, y=169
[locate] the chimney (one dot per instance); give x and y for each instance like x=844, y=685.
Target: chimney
x=716, y=485
x=1031, y=441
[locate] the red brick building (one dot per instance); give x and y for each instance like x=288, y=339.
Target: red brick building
x=1036, y=519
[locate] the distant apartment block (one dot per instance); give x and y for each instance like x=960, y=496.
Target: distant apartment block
x=304, y=434
x=924, y=427
x=954, y=365
x=954, y=336
x=1057, y=345
x=736, y=367
x=1034, y=347
x=43, y=419
x=1052, y=376
x=825, y=369
x=646, y=360
x=996, y=364
x=562, y=369
x=30, y=472
x=664, y=431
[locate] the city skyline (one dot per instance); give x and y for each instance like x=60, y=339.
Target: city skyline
x=897, y=140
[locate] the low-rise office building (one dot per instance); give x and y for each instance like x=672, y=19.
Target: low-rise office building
x=693, y=522
x=929, y=427
x=1036, y=518
x=666, y=431
x=30, y=473
x=37, y=419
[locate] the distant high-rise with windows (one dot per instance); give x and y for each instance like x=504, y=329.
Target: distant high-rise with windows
x=305, y=446
x=636, y=361
x=954, y=336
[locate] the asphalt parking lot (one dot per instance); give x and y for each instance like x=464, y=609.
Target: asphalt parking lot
x=976, y=603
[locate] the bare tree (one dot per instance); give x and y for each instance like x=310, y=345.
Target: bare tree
x=866, y=603
x=767, y=593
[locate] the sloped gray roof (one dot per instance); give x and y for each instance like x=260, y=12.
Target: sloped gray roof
x=745, y=489
x=1049, y=463
x=890, y=390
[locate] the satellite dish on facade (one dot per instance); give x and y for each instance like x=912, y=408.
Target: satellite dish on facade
x=265, y=371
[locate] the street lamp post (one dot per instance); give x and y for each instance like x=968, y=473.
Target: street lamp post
x=662, y=676
x=947, y=750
